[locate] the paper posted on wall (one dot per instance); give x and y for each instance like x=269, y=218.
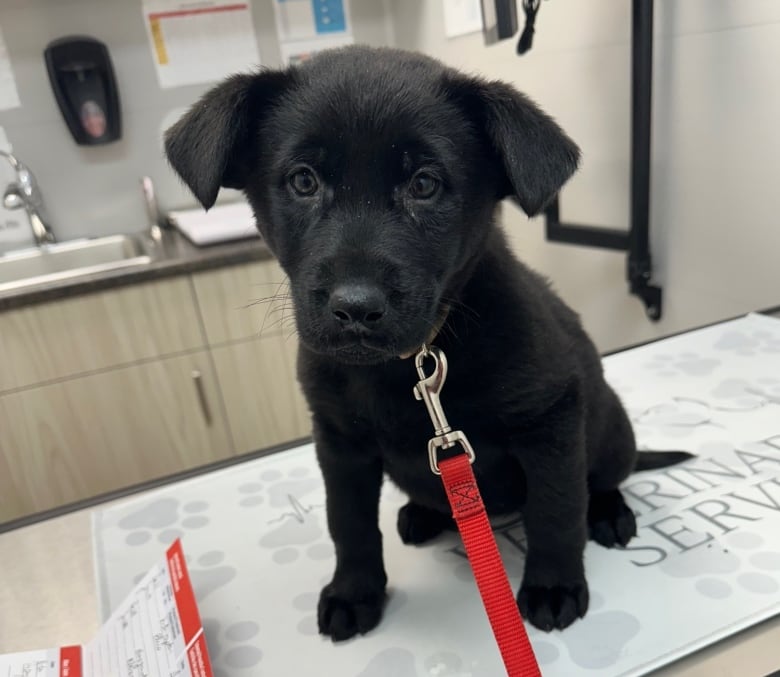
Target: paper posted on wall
x=155, y=632
x=462, y=17
x=306, y=27
x=195, y=43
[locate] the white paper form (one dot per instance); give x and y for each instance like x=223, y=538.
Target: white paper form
x=462, y=17
x=199, y=42
x=9, y=96
x=155, y=632
x=44, y=663
x=306, y=27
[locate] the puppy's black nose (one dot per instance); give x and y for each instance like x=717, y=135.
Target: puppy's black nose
x=358, y=304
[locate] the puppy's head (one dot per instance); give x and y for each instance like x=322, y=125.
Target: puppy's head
x=374, y=175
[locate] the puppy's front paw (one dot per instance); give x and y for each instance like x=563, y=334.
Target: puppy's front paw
x=553, y=608
x=341, y=616
x=417, y=524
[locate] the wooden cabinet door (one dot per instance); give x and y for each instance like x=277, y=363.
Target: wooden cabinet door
x=104, y=431
x=244, y=302
x=13, y=439
x=263, y=401
x=247, y=315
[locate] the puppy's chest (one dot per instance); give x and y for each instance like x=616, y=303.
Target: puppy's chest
x=400, y=427
x=390, y=414
x=390, y=410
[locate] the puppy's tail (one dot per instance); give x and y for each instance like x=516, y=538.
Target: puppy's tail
x=652, y=460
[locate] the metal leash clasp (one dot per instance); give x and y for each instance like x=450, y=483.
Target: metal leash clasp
x=428, y=389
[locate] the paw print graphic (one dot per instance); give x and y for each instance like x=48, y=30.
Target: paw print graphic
x=306, y=603
x=741, y=395
x=398, y=661
x=233, y=651
x=209, y=573
x=749, y=343
x=619, y=626
x=164, y=518
x=739, y=561
x=687, y=363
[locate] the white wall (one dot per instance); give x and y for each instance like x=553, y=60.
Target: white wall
x=95, y=190
x=716, y=138
x=716, y=150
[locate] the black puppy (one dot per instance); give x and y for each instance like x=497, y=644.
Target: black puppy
x=375, y=175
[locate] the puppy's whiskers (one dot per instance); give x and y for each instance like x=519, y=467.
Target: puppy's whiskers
x=281, y=322
x=279, y=301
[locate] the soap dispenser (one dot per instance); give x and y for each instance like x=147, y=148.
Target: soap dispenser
x=83, y=81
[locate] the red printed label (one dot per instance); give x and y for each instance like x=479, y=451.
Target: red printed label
x=182, y=591
x=70, y=661
x=192, y=629
x=195, y=11
x=199, y=658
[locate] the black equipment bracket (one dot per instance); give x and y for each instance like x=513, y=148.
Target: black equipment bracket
x=635, y=241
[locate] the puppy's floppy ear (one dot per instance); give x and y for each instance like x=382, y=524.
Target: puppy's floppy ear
x=535, y=154
x=216, y=142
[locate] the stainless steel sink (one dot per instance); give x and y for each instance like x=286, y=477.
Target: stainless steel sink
x=53, y=262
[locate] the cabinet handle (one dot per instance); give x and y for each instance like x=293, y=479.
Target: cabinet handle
x=197, y=378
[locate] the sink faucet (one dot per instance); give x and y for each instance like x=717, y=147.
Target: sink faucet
x=153, y=215
x=24, y=192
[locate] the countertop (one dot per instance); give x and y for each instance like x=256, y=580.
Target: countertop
x=42, y=605
x=172, y=255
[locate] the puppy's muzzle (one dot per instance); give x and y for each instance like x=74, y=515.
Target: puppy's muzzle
x=358, y=306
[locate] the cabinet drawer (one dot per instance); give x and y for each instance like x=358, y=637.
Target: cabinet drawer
x=97, y=433
x=95, y=331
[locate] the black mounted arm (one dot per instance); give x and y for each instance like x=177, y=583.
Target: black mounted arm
x=636, y=241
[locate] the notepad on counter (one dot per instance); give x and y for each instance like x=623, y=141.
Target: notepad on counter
x=222, y=223
x=156, y=632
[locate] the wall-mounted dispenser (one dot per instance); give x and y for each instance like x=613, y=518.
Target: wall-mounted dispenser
x=84, y=85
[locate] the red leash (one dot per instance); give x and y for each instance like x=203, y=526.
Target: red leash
x=471, y=518
x=500, y=605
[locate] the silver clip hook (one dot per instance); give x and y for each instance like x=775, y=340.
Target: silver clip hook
x=428, y=389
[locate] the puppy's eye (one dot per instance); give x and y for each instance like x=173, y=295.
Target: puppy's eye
x=423, y=186
x=304, y=183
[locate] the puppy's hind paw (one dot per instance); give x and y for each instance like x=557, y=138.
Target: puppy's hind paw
x=553, y=608
x=610, y=521
x=417, y=524
x=342, y=618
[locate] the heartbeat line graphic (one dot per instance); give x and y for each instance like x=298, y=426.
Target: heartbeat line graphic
x=299, y=511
